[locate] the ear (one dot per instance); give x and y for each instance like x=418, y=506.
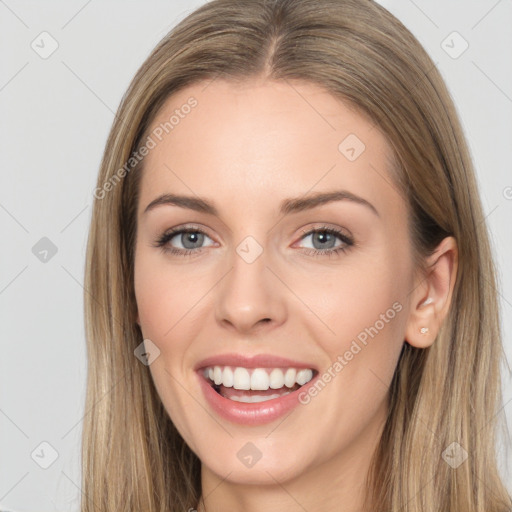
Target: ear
x=431, y=297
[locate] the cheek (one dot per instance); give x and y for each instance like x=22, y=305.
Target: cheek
x=167, y=306
x=363, y=319
x=154, y=298
x=164, y=294
x=353, y=297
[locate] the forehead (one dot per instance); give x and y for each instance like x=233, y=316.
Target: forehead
x=257, y=142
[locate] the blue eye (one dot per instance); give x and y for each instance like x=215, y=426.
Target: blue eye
x=325, y=236
x=187, y=236
x=192, y=239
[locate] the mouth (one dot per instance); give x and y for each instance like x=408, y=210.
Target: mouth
x=252, y=385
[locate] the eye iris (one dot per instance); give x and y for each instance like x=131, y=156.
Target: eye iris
x=194, y=235
x=323, y=237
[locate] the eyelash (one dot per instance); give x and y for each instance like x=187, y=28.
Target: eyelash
x=167, y=236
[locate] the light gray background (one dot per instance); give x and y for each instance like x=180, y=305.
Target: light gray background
x=56, y=114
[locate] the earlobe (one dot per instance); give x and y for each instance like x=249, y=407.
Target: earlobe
x=430, y=301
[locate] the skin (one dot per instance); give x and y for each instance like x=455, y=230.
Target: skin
x=246, y=148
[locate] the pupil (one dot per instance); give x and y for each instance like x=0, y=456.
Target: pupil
x=187, y=236
x=324, y=237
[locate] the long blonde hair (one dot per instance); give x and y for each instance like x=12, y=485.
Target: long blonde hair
x=133, y=458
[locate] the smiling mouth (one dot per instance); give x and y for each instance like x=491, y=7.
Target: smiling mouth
x=251, y=385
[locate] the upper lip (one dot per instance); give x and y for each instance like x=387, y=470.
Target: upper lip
x=255, y=361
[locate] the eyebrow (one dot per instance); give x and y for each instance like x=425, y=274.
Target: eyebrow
x=288, y=206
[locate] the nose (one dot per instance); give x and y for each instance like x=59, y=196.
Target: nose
x=250, y=296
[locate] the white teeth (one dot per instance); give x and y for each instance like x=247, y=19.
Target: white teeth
x=289, y=377
x=217, y=375
x=241, y=378
x=227, y=377
x=276, y=379
x=303, y=376
x=258, y=379
x=256, y=398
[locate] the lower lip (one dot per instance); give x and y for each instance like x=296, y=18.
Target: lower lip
x=252, y=413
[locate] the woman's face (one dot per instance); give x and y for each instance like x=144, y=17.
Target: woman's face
x=259, y=275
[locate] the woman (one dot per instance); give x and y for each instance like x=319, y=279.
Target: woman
x=236, y=362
